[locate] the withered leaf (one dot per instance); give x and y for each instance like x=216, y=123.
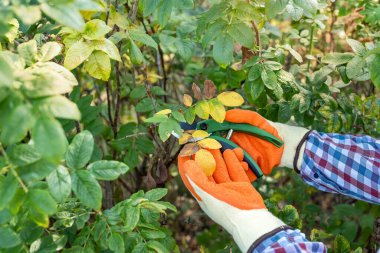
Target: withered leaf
x=196, y=91
x=189, y=149
x=209, y=89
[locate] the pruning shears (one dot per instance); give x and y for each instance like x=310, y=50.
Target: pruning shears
x=222, y=132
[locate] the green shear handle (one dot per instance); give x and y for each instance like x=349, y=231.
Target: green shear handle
x=211, y=126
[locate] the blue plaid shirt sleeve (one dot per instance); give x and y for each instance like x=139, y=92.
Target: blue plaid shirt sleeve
x=336, y=163
x=289, y=241
x=342, y=163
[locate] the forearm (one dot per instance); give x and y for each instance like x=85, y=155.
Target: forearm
x=344, y=164
x=287, y=240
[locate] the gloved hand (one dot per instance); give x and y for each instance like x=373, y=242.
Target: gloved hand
x=263, y=152
x=228, y=197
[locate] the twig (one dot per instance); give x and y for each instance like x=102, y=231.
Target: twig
x=310, y=45
x=133, y=11
x=109, y=103
x=118, y=102
x=14, y=172
x=257, y=32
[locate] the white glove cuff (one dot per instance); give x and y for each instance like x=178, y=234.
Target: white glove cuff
x=251, y=225
x=292, y=137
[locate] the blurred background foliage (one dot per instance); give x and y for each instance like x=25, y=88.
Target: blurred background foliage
x=89, y=73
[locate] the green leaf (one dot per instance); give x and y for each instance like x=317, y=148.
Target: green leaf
x=375, y=71
x=138, y=92
x=184, y=48
x=165, y=128
x=95, y=29
x=202, y=109
x=145, y=105
x=19, y=122
x=242, y=33
x=49, y=138
x=355, y=67
x=149, y=6
x=132, y=217
x=59, y=182
x=65, y=74
x=178, y=116
x=164, y=11
x=341, y=245
x=78, y=53
x=190, y=115
x=256, y=88
x=41, y=201
x=157, y=247
x=255, y=72
x=28, y=14
x=309, y=7
x=36, y=171
x=28, y=51
x=337, y=58
x=87, y=189
x=152, y=233
x=43, y=82
x=269, y=78
x=107, y=47
x=24, y=154
x=273, y=7
x=223, y=50
x=156, y=194
x=59, y=107
x=49, y=50
x=140, y=248
x=99, y=65
x=8, y=238
x=65, y=14
x=8, y=188
x=156, y=119
x=141, y=36
x=80, y=150
x=272, y=65
x=107, y=170
x=213, y=31
x=6, y=73
x=357, y=47
x=135, y=53
x=116, y=242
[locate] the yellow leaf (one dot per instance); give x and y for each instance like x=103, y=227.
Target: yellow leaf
x=189, y=149
x=187, y=100
x=202, y=109
x=206, y=161
x=217, y=110
x=209, y=143
x=184, y=138
x=200, y=134
x=230, y=98
x=164, y=112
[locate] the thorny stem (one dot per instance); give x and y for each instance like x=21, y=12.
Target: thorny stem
x=310, y=45
x=109, y=102
x=118, y=100
x=14, y=172
x=257, y=32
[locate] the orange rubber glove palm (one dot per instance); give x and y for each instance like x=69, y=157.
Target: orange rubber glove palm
x=263, y=152
x=228, y=197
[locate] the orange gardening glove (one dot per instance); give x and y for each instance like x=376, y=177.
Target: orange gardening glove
x=263, y=152
x=229, y=198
